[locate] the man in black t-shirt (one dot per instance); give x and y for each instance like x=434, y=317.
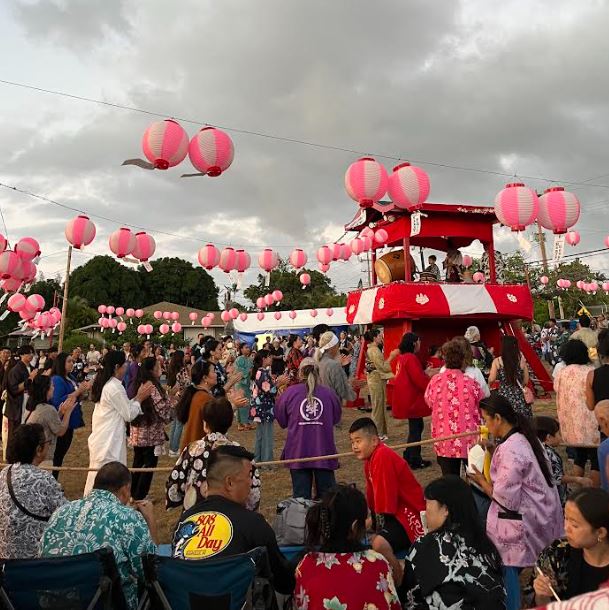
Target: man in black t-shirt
x=221, y=526
x=278, y=362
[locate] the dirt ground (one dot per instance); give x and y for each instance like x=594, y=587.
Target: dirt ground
x=276, y=483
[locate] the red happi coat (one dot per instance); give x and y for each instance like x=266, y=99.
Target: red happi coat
x=392, y=489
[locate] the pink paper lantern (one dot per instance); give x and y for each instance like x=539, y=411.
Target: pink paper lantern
x=101, y=309
x=298, y=258
x=16, y=302
x=593, y=286
x=572, y=238
x=268, y=260
x=121, y=327
x=260, y=304
x=158, y=314
x=166, y=315
x=165, y=144
x=366, y=181
x=206, y=322
x=243, y=261
x=3, y=243
x=580, y=284
x=175, y=316
x=544, y=279
x=607, y=241
x=329, y=312
x=408, y=186
x=344, y=252
x=324, y=255
x=606, y=287
x=112, y=322
x=211, y=151
x=26, y=314
x=139, y=313
x=357, y=246
x=104, y=323
x=243, y=316
x=141, y=329
x=305, y=279
x=368, y=242
x=292, y=315
x=148, y=328
x=313, y=313
x=558, y=210
x=228, y=259
x=336, y=251
x=277, y=315
x=209, y=256
x=10, y=265
x=110, y=310
x=122, y=242
x=277, y=295
x=381, y=237
x=35, y=302
x=516, y=206
x=234, y=313
x=260, y=316
x=467, y=261
x=130, y=312
x=176, y=327
x=80, y=231
x=119, y=311
x=478, y=277
x=27, y=248
x=324, y=268
x=225, y=317
x=269, y=299
x=192, y=316
x=367, y=232
x=10, y=284
x=144, y=246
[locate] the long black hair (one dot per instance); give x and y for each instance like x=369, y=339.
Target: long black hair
x=145, y=374
x=258, y=358
x=329, y=523
x=498, y=405
x=593, y=504
x=198, y=372
x=59, y=364
x=456, y=496
x=209, y=347
x=37, y=390
x=112, y=360
x=510, y=355
x=176, y=364
x=407, y=344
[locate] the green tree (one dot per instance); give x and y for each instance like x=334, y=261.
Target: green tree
x=319, y=293
x=178, y=281
x=79, y=314
x=47, y=289
x=104, y=280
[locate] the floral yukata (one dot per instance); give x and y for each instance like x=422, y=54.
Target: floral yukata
x=264, y=392
x=442, y=571
x=187, y=482
x=345, y=581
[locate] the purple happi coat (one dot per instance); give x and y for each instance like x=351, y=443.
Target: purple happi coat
x=519, y=486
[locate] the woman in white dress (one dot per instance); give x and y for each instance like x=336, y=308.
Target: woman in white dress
x=108, y=439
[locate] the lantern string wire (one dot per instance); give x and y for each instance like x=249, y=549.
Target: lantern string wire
x=290, y=140
x=4, y=223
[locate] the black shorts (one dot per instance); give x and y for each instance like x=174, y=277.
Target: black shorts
x=583, y=454
x=393, y=532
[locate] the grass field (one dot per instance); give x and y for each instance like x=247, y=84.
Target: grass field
x=276, y=484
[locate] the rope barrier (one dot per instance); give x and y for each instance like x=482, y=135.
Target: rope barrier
x=333, y=456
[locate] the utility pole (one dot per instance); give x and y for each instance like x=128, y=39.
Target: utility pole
x=541, y=238
x=64, y=305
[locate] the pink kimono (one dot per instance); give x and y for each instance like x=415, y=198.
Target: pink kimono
x=526, y=515
x=453, y=398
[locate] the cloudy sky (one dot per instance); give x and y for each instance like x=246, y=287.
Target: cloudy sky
x=520, y=87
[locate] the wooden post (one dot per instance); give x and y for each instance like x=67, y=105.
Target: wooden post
x=64, y=305
x=407, y=267
x=372, y=269
x=544, y=259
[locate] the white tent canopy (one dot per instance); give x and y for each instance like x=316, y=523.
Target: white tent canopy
x=303, y=319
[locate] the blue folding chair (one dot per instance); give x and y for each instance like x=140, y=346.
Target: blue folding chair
x=208, y=584
x=82, y=582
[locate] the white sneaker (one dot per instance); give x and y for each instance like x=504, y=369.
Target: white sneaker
x=173, y=453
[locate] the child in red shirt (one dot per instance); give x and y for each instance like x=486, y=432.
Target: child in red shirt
x=394, y=495
x=435, y=360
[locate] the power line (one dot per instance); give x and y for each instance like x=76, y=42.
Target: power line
x=291, y=140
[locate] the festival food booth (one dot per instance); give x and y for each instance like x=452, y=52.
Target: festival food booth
x=402, y=299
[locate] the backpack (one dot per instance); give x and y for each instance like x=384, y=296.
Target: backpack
x=289, y=524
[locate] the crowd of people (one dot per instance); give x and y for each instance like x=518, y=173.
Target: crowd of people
x=507, y=525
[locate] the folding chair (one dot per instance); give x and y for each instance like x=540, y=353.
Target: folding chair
x=209, y=584
x=82, y=582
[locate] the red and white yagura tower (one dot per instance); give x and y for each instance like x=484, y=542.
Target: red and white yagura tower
x=438, y=311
